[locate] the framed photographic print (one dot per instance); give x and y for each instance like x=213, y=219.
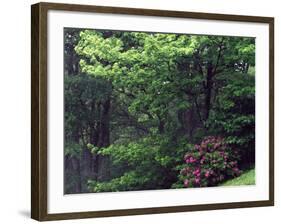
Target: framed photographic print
x=140, y=111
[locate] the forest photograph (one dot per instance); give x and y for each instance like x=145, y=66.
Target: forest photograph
x=151, y=111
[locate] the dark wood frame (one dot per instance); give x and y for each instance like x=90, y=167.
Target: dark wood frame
x=39, y=110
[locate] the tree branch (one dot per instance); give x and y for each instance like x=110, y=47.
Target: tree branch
x=219, y=56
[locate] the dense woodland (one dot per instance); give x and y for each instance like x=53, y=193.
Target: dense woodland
x=156, y=111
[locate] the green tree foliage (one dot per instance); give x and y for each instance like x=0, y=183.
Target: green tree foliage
x=149, y=163
x=140, y=101
x=234, y=115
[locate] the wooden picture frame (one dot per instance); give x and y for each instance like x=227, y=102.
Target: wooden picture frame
x=39, y=108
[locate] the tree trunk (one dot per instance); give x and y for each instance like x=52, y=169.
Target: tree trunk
x=72, y=175
x=104, y=133
x=86, y=168
x=208, y=90
x=161, y=126
x=104, y=141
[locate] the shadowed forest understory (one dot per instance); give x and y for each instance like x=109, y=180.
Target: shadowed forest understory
x=148, y=111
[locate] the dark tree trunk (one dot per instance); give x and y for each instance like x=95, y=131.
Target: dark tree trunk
x=72, y=175
x=76, y=165
x=161, y=126
x=208, y=90
x=86, y=168
x=104, y=132
x=94, y=140
x=192, y=122
x=104, y=141
x=188, y=121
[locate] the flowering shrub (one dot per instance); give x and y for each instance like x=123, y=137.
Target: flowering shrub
x=209, y=163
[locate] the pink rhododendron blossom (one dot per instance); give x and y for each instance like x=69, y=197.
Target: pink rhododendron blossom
x=186, y=182
x=207, y=174
x=216, y=145
x=197, y=172
x=197, y=180
x=192, y=159
x=209, y=163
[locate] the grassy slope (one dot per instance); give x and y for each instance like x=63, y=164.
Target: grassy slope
x=246, y=178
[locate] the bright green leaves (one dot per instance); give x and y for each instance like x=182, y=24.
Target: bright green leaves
x=99, y=53
x=146, y=158
x=160, y=72
x=246, y=50
x=129, y=181
x=94, y=46
x=167, y=47
x=133, y=153
x=94, y=150
x=144, y=69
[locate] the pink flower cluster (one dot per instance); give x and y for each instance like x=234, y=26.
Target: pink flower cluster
x=209, y=163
